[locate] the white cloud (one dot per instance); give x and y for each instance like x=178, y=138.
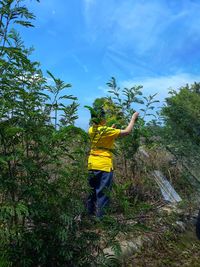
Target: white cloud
x=162, y=84
x=151, y=85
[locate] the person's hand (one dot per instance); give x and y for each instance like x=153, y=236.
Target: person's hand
x=113, y=126
x=135, y=115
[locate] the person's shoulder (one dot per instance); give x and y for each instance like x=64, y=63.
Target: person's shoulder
x=110, y=131
x=92, y=129
x=104, y=128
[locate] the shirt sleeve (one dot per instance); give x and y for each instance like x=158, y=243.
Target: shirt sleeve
x=112, y=132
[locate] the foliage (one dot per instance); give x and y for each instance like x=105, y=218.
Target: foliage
x=43, y=155
x=130, y=189
x=69, y=112
x=126, y=102
x=119, y=110
x=181, y=114
x=42, y=168
x=181, y=132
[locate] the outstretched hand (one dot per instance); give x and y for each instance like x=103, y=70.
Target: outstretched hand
x=135, y=115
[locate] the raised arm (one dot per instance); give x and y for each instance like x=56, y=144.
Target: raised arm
x=130, y=125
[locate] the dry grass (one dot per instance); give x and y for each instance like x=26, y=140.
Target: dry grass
x=182, y=250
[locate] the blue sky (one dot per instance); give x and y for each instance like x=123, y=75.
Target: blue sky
x=140, y=42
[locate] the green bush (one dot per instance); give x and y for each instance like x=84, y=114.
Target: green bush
x=42, y=164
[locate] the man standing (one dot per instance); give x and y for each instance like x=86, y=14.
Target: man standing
x=100, y=160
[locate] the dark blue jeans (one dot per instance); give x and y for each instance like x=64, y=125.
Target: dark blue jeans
x=100, y=183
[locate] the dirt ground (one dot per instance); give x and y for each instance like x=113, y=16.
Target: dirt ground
x=183, y=250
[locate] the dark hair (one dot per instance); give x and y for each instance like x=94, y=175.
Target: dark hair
x=97, y=115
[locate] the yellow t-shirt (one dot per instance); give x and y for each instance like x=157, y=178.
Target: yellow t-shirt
x=102, y=144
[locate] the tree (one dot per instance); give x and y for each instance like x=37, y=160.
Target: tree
x=125, y=100
x=182, y=114
x=42, y=179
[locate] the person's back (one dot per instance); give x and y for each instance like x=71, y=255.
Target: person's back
x=100, y=160
x=102, y=146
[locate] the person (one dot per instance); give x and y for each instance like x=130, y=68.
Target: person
x=100, y=160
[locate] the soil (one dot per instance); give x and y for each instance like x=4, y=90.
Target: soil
x=182, y=250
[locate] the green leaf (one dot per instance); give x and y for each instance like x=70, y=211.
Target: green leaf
x=68, y=97
x=24, y=23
